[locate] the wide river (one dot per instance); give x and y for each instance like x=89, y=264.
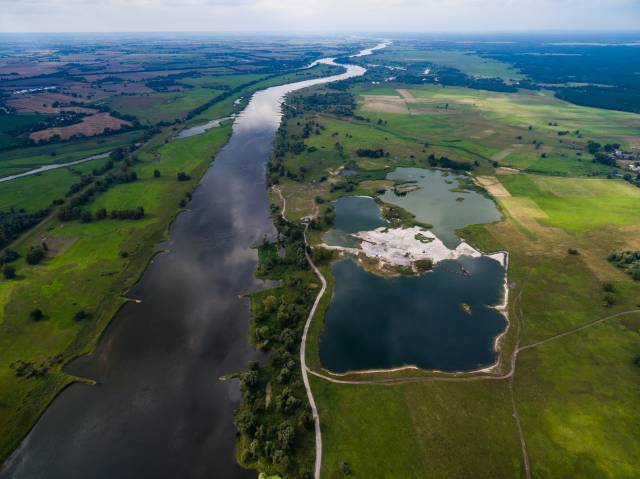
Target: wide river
x=159, y=409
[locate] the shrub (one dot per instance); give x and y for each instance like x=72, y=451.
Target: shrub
x=36, y=314
x=35, y=255
x=608, y=299
x=573, y=251
x=80, y=315
x=182, y=176
x=156, y=173
x=608, y=287
x=9, y=271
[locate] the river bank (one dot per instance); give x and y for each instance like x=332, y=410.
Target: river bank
x=174, y=301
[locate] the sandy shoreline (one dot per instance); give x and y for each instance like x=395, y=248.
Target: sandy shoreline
x=405, y=246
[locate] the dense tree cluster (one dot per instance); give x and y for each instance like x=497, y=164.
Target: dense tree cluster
x=29, y=370
x=369, y=153
x=628, y=261
x=445, y=162
x=13, y=223
x=340, y=103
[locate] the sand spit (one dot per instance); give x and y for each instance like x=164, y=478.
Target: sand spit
x=405, y=246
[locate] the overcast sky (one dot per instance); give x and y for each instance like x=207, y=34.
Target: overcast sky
x=317, y=15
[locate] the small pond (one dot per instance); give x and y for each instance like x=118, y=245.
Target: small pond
x=353, y=214
x=434, y=203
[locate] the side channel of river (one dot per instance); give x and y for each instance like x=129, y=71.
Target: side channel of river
x=159, y=410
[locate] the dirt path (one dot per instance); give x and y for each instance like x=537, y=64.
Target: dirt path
x=303, y=363
x=303, y=345
x=407, y=95
x=501, y=155
x=493, y=186
x=405, y=380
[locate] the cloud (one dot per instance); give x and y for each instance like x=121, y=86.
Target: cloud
x=317, y=15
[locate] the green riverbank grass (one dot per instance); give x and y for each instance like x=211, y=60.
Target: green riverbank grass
x=85, y=270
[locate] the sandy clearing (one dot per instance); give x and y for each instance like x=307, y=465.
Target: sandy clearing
x=384, y=104
x=406, y=94
x=493, y=186
x=400, y=247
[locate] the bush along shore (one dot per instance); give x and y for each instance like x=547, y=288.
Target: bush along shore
x=274, y=422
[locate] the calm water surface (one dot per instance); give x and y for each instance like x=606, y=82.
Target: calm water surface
x=441, y=320
x=379, y=323
x=159, y=410
x=353, y=214
x=435, y=204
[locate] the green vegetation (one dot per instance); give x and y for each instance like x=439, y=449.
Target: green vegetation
x=274, y=422
x=25, y=159
x=12, y=127
x=466, y=61
x=559, y=231
x=153, y=108
x=72, y=274
x=628, y=261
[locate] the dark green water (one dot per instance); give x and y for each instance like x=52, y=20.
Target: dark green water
x=378, y=323
x=353, y=214
x=435, y=204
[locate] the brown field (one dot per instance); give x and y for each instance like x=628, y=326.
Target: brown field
x=139, y=101
x=41, y=103
x=124, y=88
x=90, y=126
x=384, y=104
x=14, y=69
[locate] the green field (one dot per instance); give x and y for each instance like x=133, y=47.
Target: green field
x=25, y=159
x=571, y=394
x=152, y=108
x=10, y=124
x=533, y=131
x=467, y=62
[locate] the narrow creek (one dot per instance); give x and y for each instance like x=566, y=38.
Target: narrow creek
x=158, y=409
